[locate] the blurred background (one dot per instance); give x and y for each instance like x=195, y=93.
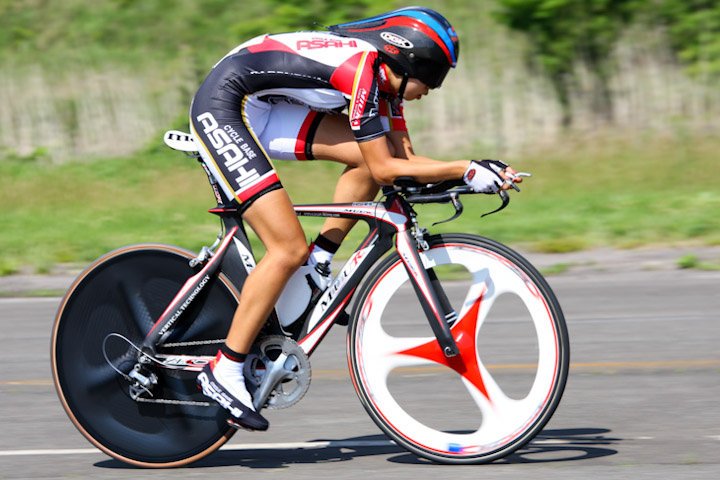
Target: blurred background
x=613, y=105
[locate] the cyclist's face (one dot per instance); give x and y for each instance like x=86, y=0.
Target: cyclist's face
x=415, y=89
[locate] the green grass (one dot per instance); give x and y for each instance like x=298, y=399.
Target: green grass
x=693, y=261
x=620, y=193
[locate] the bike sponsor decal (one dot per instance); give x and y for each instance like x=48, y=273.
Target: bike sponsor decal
x=331, y=293
x=245, y=255
x=324, y=43
x=397, y=40
x=185, y=362
x=184, y=305
x=237, y=155
x=457, y=448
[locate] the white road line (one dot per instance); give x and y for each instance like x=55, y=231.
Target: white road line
x=244, y=446
x=551, y=441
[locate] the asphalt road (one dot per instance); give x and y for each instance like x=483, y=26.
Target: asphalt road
x=641, y=400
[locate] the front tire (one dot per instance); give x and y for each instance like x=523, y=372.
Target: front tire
x=506, y=383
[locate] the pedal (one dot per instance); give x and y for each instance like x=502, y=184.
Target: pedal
x=238, y=426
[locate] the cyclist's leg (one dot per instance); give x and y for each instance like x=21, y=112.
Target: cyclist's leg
x=275, y=222
x=224, y=122
x=272, y=217
x=335, y=141
x=294, y=132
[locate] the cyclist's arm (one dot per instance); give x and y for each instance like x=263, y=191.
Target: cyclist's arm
x=385, y=168
x=400, y=140
x=402, y=147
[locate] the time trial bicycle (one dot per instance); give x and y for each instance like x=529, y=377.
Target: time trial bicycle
x=456, y=345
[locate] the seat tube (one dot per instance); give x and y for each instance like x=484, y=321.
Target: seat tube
x=425, y=291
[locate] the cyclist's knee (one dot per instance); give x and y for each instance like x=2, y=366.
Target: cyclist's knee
x=290, y=255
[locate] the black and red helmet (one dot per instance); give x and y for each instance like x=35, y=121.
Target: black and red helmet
x=416, y=42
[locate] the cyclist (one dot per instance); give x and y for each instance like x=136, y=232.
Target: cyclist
x=281, y=96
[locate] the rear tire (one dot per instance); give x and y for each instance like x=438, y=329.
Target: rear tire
x=125, y=292
x=505, y=384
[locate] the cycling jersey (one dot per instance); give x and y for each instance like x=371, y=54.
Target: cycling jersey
x=233, y=116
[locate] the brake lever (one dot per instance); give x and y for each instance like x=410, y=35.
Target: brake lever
x=505, y=200
x=513, y=177
x=455, y=199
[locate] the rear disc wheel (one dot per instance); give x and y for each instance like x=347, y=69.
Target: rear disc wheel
x=124, y=293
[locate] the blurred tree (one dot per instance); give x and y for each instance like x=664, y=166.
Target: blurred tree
x=693, y=27
x=562, y=33
x=294, y=15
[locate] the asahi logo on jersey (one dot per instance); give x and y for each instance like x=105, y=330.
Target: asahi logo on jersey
x=397, y=40
x=235, y=159
x=324, y=43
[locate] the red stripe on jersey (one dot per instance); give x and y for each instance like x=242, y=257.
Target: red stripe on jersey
x=398, y=124
x=258, y=187
x=302, y=136
x=270, y=45
x=384, y=108
x=397, y=118
x=396, y=121
x=343, y=77
x=354, y=78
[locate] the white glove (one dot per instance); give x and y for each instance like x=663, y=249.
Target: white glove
x=484, y=176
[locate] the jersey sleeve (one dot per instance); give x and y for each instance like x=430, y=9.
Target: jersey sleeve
x=356, y=79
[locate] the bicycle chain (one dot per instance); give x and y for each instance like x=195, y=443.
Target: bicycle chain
x=167, y=401
x=192, y=344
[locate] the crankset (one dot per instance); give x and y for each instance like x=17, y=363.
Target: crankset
x=277, y=372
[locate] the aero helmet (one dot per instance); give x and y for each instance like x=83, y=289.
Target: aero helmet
x=416, y=42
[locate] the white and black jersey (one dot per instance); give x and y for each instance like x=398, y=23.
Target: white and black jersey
x=319, y=70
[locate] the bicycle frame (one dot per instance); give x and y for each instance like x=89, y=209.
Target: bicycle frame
x=233, y=256
x=114, y=297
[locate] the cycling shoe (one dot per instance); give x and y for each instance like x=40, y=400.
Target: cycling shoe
x=241, y=415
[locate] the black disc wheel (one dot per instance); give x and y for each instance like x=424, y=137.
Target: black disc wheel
x=114, y=304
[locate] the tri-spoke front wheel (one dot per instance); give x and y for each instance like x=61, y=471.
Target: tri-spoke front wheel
x=507, y=381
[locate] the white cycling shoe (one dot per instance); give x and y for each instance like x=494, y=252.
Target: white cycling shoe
x=238, y=402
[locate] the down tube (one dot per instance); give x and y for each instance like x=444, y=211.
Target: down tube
x=338, y=295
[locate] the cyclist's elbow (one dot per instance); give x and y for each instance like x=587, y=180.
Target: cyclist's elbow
x=383, y=176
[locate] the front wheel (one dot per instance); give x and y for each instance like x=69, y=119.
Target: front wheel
x=505, y=384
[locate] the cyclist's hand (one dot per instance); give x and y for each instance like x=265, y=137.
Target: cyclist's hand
x=491, y=176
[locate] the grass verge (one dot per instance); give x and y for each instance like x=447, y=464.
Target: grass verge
x=612, y=191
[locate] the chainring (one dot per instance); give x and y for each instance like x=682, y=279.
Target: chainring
x=277, y=372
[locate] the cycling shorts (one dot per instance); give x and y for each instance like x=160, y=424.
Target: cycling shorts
x=237, y=134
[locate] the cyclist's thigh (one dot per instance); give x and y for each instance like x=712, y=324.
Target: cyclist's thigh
x=334, y=140
x=273, y=219
x=226, y=141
